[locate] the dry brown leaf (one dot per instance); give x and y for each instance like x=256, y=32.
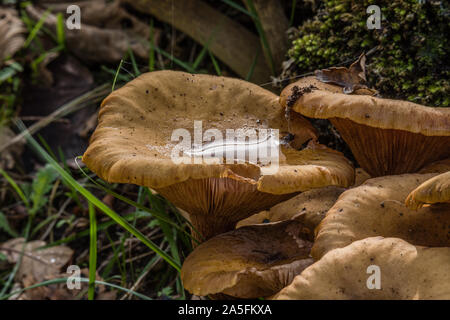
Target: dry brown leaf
x=107, y=42
x=38, y=263
x=9, y=155
x=43, y=265
x=351, y=79
x=103, y=14
x=11, y=33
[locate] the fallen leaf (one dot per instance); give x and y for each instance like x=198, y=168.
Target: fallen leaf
x=104, y=35
x=39, y=265
x=12, y=32
x=36, y=263
x=351, y=78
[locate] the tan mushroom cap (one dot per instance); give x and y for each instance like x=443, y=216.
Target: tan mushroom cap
x=377, y=208
x=386, y=136
x=132, y=144
x=308, y=207
x=434, y=190
x=250, y=262
x=406, y=272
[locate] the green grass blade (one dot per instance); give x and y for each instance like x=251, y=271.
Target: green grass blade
x=151, y=55
x=262, y=35
x=291, y=20
x=36, y=29
x=10, y=71
x=92, y=252
x=4, y=225
x=84, y=233
x=252, y=68
x=121, y=77
x=46, y=146
x=60, y=35
x=173, y=59
x=133, y=62
x=215, y=63
x=239, y=8
x=95, y=201
x=15, y=187
x=117, y=73
x=200, y=57
x=138, y=205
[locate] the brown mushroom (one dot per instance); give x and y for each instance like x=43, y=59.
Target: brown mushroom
x=404, y=272
x=134, y=143
x=309, y=208
x=249, y=262
x=377, y=208
x=434, y=190
x=386, y=136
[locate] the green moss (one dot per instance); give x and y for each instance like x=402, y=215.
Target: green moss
x=412, y=59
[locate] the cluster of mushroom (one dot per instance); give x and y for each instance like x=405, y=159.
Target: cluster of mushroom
x=297, y=232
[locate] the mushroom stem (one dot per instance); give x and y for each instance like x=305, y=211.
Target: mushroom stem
x=216, y=205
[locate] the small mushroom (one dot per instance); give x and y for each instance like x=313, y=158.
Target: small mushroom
x=377, y=208
x=434, y=190
x=404, y=272
x=249, y=262
x=133, y=143
x=309, y=208
x=386, y=136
